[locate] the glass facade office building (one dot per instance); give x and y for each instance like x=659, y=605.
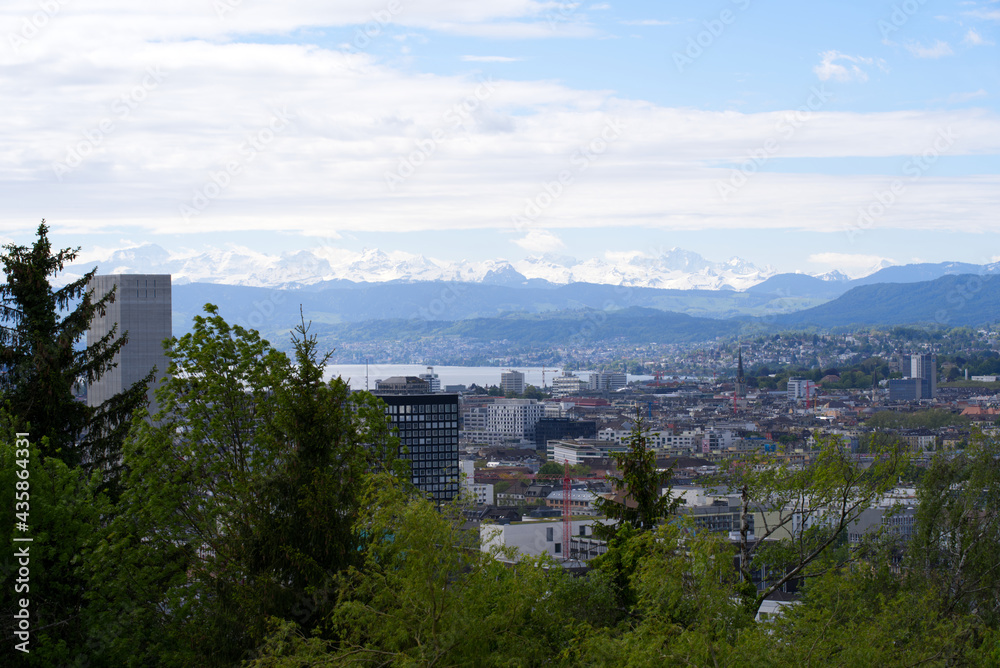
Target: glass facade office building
x=427, y=425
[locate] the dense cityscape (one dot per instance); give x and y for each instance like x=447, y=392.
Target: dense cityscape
x=501, y=334
x=213, y=461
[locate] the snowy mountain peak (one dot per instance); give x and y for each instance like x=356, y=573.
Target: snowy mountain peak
x=674, y=268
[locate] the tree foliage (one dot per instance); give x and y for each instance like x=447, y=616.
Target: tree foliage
x=642, y=495
x=41, y=363
x=242, y=496
x=802, y=511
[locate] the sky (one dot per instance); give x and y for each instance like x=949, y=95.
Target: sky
x=809, y=136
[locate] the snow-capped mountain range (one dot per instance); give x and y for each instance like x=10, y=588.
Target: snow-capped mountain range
x=673, y=269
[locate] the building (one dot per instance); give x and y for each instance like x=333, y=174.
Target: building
x=550, y=429
x=402, y=385
x=142, y=309
x=567, y=384
x=581, y=451
x=427, y=425
x=607, y=382
x=924, y=367
x=800, y=388
x=515, y=418
x=432, y=380
x=534, y=538
x=905, y=389
x=740, y=389
x=512, y=381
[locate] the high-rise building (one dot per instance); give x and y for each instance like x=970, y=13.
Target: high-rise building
x=607, y=381
x=432, y=379
x=427, y=425
x=924, y=367
x=905, y=389
x=142, y=309
x=567, y=384
x=515, y=418
x=800, y=388
x=512, y=381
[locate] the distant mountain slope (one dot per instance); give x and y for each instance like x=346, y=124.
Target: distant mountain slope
x=801, y=286
x=631, y=325
x=962, y=300
x=343, y=301
x=926, y=271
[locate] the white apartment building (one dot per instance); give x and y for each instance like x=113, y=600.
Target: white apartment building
x=693, y=440
x=514, y=417
x=535, y=538
x=567, y=385
x=512, y=381
x=607, y=382
x=503, y=421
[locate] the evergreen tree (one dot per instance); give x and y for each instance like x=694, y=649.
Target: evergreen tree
x=40, y=361
x=241, y=500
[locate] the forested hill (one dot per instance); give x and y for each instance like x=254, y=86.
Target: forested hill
x=630, y=325
x=963, y=300
x=577, y=313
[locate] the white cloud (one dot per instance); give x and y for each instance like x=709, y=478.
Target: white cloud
x=353, y=119
x=848, y=70
x=958, y=98
x=600, y=6
x=936, y=50
x=489, y=59
x=991, y=15
x=540, y=241
x=973, y=38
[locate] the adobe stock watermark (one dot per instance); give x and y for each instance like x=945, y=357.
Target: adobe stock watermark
x=218, y=181
x=581, y=161
x=900, y=16
x=712, y=30
x=264, y=310
x=785, y=129
x=960, y=295
x=444, y=302
x=562, y=13
x=365, y=34
x=32, y=26
x=914, y=168
x=453, y=118
x=121, y=108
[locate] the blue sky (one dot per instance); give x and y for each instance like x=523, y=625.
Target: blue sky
x=808, y=136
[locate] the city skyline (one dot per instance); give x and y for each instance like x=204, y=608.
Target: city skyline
x=833, y=136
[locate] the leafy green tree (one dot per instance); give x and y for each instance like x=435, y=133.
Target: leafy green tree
x=957, y=530
x=642, y=499
x=241, y=499
x=60, y=506
x=426, y=595
x=40, y=362
x=801, y=513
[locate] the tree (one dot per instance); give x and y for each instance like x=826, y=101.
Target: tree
x=801, y=512
x=40, y=363
x=640, y=501
x=639, y=505
x=61, y=507
x=241, y=499
x=426, y=595
x=957, y=530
